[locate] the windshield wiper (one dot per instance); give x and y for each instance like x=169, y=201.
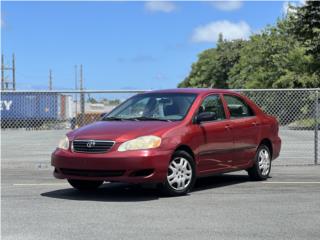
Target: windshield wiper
x=149, y=119
x=112, y=119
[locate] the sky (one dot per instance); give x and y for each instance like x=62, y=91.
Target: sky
x=122, y=45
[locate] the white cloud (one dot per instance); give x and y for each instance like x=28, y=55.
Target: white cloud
x=158, y=6
x=285, y=6
x=210, y=32
x=230, y=5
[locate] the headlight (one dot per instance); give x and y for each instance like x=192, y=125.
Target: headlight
x=64, y=143
x=145, y=142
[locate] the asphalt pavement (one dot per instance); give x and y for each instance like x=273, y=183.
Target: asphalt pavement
x=286, y=206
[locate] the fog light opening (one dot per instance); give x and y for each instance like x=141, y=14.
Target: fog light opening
x=142, y=173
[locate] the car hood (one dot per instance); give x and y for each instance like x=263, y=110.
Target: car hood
x=121, y=130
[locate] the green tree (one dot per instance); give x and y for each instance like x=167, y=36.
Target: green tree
x=199, y=75
x=273, y=59
x=213, y=65
x=306, y=26
x=286, y=55
x=92, y=100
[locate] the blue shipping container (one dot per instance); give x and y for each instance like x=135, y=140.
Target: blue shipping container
x=30, y=106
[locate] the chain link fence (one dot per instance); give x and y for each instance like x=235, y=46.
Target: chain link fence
x=297, y=111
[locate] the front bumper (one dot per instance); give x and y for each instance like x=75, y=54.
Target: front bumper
x=132, y=166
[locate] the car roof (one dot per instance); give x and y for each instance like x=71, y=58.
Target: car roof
x=205, y=91
x=192, y=90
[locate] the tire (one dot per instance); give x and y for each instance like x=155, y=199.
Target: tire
x=84, y=185
x=181, y=175
x=262, y=164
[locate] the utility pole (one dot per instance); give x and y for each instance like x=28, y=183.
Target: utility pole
x=81, y=78
x=2, y=72
x=13, y=73
x=76, y=86
x=82, y=100
x=5, y=84
x=50, y=79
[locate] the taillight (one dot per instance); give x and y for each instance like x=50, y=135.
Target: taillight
x=276, y=125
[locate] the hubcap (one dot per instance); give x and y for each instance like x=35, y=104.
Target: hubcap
x=179, y=173
x=264, y=162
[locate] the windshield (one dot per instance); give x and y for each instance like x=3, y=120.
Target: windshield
x=153, y=106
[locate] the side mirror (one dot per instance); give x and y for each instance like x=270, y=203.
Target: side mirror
x=206, y=116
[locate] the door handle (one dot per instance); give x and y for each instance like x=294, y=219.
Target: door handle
x=227, y=127
x=255, y=123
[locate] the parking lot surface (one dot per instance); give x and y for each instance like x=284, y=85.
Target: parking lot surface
x=37, y=206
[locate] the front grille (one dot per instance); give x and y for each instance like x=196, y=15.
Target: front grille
x=92, y=173
x=91, y=146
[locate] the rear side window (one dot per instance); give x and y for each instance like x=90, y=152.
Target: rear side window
x=213, y=104
x=237, y=107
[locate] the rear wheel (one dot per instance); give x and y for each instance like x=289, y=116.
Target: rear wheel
x=84, y=185
x=262, y=166
x=180, y=175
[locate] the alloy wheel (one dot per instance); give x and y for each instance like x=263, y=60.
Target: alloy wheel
x=179, y=173
x=264, y=162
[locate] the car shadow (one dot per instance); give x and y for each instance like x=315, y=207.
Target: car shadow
x=121, y=192
x=108, y=192
x=219, y=181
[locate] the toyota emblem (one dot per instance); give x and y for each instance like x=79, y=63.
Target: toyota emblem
x=91, y=144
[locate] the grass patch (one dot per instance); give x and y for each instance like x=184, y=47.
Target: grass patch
x=305, y=124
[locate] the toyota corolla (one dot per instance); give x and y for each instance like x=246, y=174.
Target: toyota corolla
x=170, y=137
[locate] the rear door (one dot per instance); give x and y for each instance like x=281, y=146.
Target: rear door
x=245, y=129
x=215, y=152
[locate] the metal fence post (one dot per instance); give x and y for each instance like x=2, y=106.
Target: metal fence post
x=316, y=128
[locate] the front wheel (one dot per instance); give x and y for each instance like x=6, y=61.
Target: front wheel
x=262, y=166
x=180, y=175
x=84, y=185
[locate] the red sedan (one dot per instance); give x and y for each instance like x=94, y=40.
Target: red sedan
x=170, y=137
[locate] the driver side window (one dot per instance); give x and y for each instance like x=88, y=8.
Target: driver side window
x=213, y=104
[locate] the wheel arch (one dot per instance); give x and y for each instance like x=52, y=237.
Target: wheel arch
x=187, y=149
x=268, y=143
